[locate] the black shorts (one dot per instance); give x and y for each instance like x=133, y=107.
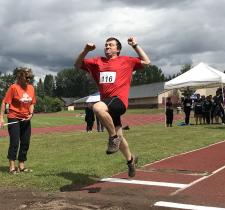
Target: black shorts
x=116, y=108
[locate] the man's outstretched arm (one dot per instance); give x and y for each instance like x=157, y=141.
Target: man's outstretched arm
x=78, y=61
x=141, y=53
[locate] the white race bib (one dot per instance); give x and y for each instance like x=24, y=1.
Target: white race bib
x=107, y=77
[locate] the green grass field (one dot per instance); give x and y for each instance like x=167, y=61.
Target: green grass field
x=51, y=120
x=60, y=160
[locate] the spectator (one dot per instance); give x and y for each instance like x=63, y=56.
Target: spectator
x=187, y=103
x=89, y=117
x=198, y=109
x=20, y=98
x=169, y=112
x=212, y=115
x=100, y=126
x=206, y=109
x=219, y=110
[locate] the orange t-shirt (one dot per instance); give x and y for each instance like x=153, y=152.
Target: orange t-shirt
x=19, y=100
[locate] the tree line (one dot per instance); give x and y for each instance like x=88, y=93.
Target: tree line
x=71, y=83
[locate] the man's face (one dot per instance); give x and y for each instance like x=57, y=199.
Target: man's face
x=111, y=49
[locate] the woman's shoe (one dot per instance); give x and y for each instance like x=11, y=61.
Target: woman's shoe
x=25, y=170
x=13, y=171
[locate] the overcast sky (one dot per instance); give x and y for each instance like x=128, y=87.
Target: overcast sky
x=48, y=34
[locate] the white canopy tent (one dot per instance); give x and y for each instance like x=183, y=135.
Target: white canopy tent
x=93, y=98
x=88, y=99
x=201, y=75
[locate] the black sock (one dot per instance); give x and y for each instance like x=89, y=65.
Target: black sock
x=130, y=161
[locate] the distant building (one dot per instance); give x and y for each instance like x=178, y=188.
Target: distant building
x=80, y=103
x=151, y=95
x=68, y=103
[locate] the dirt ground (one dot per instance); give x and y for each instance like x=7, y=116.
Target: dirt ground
x=113, y=199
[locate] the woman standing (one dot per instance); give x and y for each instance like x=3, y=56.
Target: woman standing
x=21, y=99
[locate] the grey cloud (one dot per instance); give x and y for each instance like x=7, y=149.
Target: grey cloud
x=48, y=34
x=155, y=4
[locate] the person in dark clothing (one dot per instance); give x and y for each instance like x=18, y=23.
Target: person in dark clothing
x=169, y=112
x=187, y=103
x=219, y=110
x=203, y=99
x=206, y=109
x=212, y=109
x=216, y=110
x=89, y=117
x=198, y=109
x=100, y=127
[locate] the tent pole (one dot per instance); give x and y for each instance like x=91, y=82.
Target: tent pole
x=165, y=109
x=222, y=92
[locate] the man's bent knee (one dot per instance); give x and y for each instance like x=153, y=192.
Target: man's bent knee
x=100, y=107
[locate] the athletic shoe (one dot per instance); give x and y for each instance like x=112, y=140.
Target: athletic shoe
x=132, y=167
x=113, y=145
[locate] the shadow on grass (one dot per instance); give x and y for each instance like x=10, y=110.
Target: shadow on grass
x=216, y=127
x=4, y=169
x=80, y=182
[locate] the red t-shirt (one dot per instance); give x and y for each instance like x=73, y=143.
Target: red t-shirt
x=113, y=76
x=19, y=100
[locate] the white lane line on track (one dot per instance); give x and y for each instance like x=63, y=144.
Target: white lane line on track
x=185, y=206
x=147, y=183
x=198, y=180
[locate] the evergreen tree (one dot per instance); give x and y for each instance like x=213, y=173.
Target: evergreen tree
x=74, y=83
x=49, y=85
x=148, y=75
x=5, y=81
x=185, y=68
x=40, y=89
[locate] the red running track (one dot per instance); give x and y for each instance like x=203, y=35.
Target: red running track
x=209, y=190
x=201, y=171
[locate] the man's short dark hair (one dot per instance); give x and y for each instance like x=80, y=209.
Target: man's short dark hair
x=118, y=44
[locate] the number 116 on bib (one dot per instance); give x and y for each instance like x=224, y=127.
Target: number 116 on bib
x=107, y=77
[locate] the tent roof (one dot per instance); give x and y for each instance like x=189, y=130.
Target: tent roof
x=68, y=101
x=93, y=98
x=201, y=75
x=84, y=99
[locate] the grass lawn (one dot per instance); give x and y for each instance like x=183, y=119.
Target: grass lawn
x=145, y=111
x=64, y=159
x=57, y=119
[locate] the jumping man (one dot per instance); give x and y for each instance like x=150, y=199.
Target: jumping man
x=113, y=74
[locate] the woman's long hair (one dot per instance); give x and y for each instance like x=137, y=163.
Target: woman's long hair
x=23, y=76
